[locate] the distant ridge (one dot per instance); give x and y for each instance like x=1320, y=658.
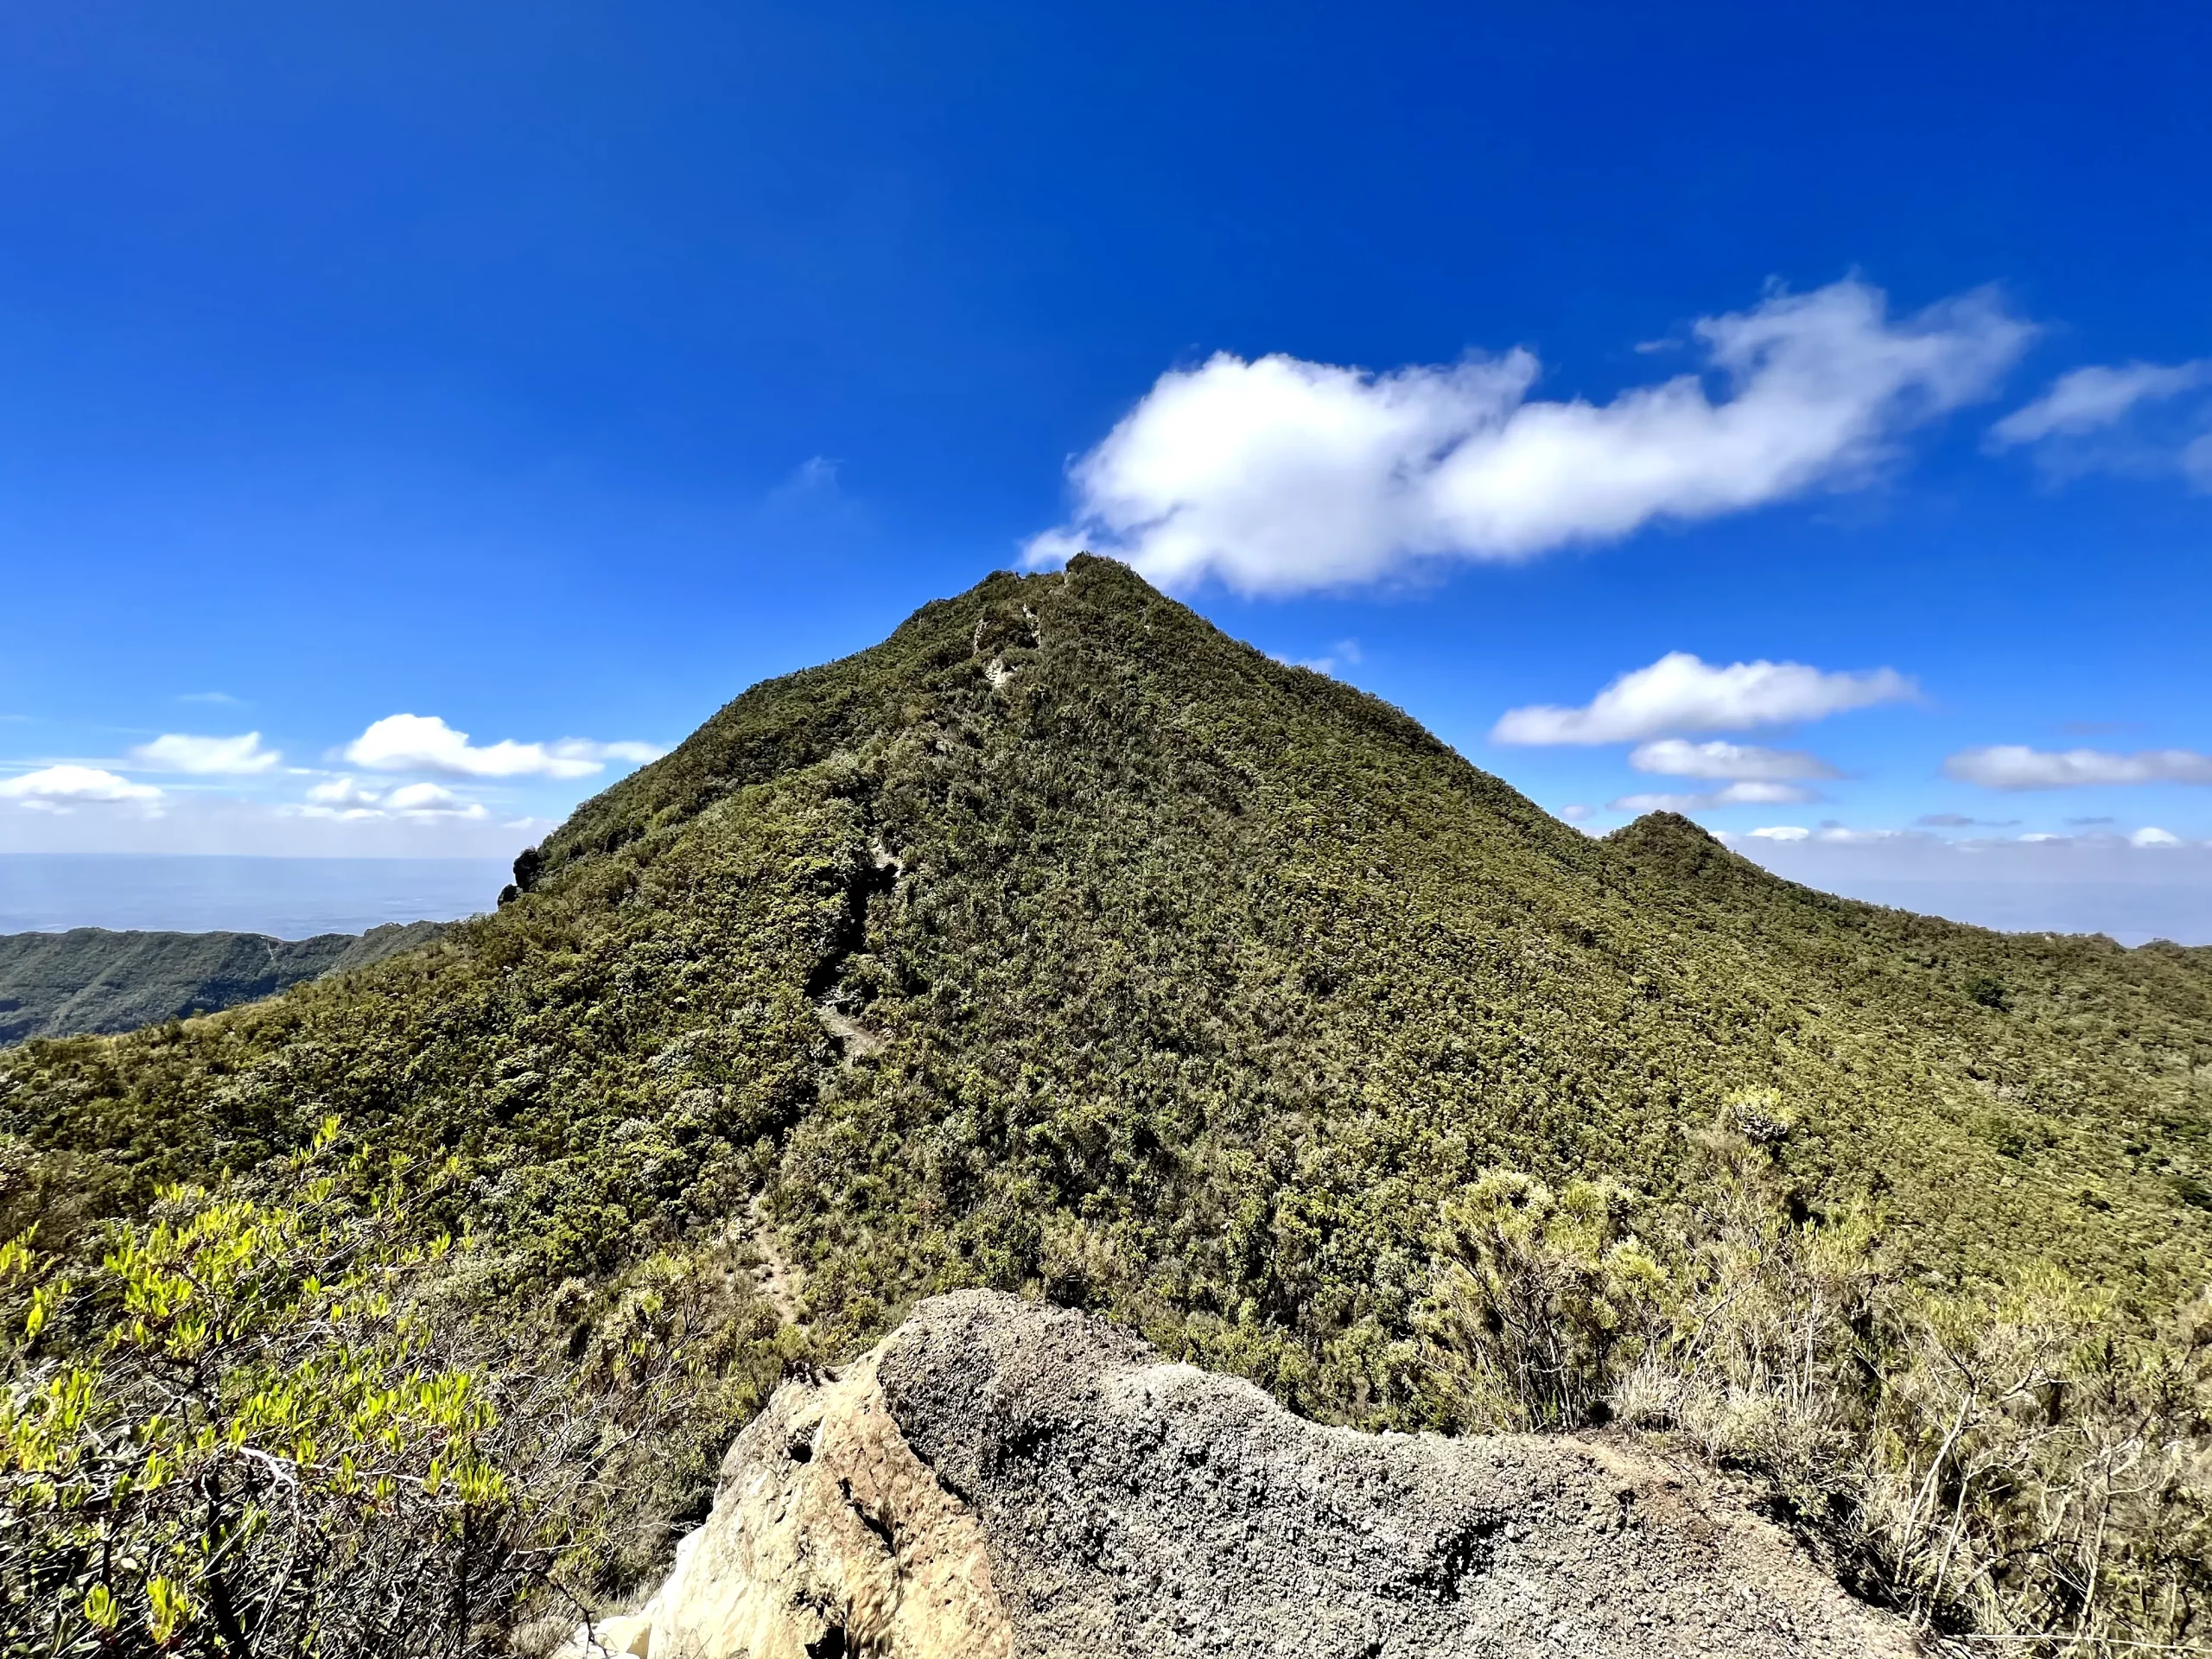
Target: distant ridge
x=91, y=981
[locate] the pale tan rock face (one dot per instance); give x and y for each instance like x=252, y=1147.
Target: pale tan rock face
x=828, y=1537
x=1001, y=1476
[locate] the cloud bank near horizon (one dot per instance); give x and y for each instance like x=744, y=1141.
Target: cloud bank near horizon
x=1278, y=476
x=421, y=788
x=2017, y=767
x=2136, y=887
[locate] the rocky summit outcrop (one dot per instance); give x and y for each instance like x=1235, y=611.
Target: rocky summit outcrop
x=1001, y=1478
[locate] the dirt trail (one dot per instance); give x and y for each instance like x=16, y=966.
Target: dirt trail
x=776, y=1278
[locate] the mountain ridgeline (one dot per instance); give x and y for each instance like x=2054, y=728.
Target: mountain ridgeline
x=1061, y=943
x=1062, y=936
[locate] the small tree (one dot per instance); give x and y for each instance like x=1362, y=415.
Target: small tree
x=235, y=1435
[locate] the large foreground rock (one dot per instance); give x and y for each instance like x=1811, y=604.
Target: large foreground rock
x=1001, y=1477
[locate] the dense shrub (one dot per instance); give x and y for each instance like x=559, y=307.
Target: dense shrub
x=2014, y=1459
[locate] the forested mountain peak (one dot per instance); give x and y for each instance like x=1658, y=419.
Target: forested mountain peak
x=1061, y=902
x=1063, y=945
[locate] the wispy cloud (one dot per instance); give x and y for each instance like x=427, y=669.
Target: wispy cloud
x=426, y=743
x=2102, y=418
x=816, y=475
x=1960, y=821
x=1345, y=653
x=1676, y=757
x=1683, y=693
x=431, y=797
x=1739, y=794
x=2015, y=765
x=1279, y=475
x=239, y=756
x=2089, y=399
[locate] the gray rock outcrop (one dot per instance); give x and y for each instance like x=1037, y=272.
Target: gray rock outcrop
x=1000, y=1476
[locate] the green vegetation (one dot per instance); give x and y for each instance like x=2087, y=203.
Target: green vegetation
x=271, y=1426
x=91, y=980
x=1061, y=943
x=2016, y=1458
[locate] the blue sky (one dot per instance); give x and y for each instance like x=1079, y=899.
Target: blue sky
x=547, y=374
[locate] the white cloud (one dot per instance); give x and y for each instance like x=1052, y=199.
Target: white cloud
x=349, y=813
x=54, y=786
x=2015, y=765
x=2102, y=419
x=1675, y=757
x=1279, y=475
x=239, y=756
x=1681, y=692
x=200, y=820
x=343, y=791
x=581, y=749
x=1343, y=653
x=345, y=797
x=1782, y=832
x=1575, y=813
x=2152, y=835
x=1741, y=794
x=426, y=743
x=2084, y=400
x=420, y=799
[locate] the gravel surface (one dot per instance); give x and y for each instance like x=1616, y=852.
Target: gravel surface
x=1135, y=1507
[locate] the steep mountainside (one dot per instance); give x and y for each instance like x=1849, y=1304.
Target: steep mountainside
x=1060, y=943
x=90, y=979
x=1061, y=937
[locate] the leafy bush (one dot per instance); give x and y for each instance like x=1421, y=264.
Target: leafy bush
x=1537, y=1294
x=263, y=1426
